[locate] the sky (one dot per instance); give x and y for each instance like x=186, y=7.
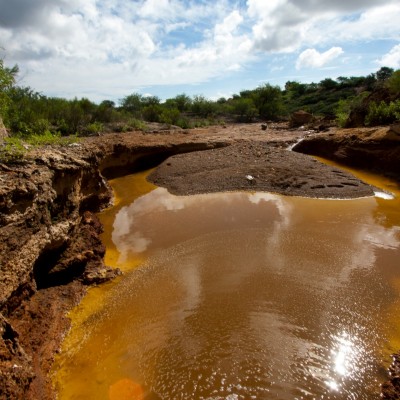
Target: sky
x=108, y=49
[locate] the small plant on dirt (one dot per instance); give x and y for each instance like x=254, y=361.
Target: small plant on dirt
x=12, y=150
x=94, y=128
x=49, y=138
x=184, y=123
x=135, y=123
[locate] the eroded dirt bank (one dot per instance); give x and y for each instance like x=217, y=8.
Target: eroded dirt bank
x=49, y=245
x=374, y=149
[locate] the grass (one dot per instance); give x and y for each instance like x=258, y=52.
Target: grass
x=13, y=149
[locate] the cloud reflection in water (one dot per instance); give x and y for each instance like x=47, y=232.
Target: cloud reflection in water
x=295, y=272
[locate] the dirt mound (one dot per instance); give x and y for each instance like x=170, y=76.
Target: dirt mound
x=256, y=167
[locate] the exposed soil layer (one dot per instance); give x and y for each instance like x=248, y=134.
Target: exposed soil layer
x=374, y=149
x=256, y=167
x=50, y=250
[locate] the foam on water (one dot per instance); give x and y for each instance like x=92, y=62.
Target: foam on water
x=293, y=145
x=384, y=195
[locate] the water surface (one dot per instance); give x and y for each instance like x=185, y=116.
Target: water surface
x=239, y=296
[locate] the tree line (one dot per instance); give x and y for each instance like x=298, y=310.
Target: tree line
x=26, y=112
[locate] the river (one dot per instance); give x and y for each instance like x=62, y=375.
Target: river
x=239, y=296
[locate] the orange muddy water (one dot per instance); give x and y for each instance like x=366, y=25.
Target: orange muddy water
x=239, y=296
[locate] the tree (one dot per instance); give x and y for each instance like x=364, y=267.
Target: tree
x=203, y=107
x=183, y=102
x=105, y=111
x=7, y=80
x=244, y=109
x=152, y=113
x=370, y=81
x=328, y=84
x=384, y=73
x=150, y=101
x=133, y=104
x=393, y=83
x=268, y=100
x=295, y=89
x=7, y=76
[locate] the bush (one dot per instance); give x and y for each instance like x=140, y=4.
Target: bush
x=184, y=123
x=393, y=83
x=203, y=107
x=152, y=113
x=269, y=101
x=383, y=113
x=346, y=106
x=134, y=123
x=170, y=116
x=93, y=129
x=12, y=150
x=244, y=109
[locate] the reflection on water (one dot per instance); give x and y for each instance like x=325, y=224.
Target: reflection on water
x=242, y=296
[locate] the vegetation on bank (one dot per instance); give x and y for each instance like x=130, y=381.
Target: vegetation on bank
x=33, y=117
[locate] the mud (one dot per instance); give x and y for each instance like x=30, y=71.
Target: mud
x=256, y=167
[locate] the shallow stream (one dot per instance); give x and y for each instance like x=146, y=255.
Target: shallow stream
x=239, y=296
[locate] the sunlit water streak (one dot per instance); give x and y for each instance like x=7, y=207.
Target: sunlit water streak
x=239, y=296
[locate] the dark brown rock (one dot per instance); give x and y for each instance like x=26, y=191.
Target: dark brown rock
x=391, y=388
x=300, y=118
x=395, y=128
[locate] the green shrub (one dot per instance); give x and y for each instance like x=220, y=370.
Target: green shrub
x=50, y=138
x=244, y=109
x=383, y=113
x=134, y=123
x=170, y=116
x=94, y=128
x=12, y=150
x=152, y=113
x=203, y=107
x=346, y=106
x=184, y=123
x=393, y=83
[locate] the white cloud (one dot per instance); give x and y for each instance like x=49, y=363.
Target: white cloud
x=288, y=25
x=376, y=23
x=229, y=24
x=312, y=58
x=391, y=59
x=80, y=47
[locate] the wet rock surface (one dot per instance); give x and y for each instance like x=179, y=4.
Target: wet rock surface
x=391, y=388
